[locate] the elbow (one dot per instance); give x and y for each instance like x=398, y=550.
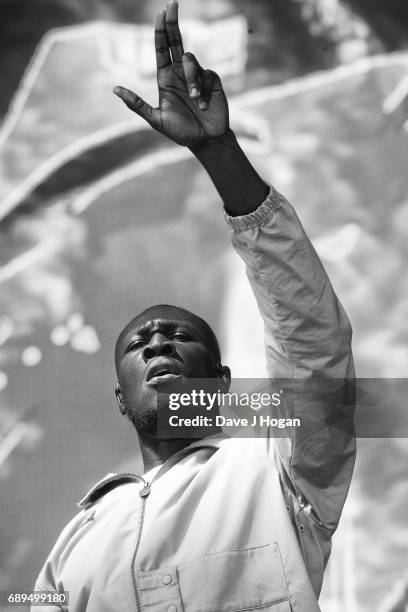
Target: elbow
x=333, y=351
x=340, y=335
x=345, y=333
x=338, y=352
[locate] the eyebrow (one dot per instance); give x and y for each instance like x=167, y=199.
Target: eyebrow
x=165, y=326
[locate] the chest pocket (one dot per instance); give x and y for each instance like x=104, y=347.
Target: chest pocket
x=244, y=579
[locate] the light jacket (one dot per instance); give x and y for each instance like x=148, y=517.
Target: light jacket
x=231, y=524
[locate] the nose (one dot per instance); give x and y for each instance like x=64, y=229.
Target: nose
x=159, y=346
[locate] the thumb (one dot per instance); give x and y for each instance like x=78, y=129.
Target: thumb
x=137, y=105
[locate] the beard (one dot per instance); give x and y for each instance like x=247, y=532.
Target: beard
x=145, y=422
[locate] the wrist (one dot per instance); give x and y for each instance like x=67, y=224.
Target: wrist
x=214, y=147
x=239, y=185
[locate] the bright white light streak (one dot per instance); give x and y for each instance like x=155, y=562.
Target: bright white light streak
x=127, y=173
x=6, y=329
x=396, y=97
x=320, y=79
x=13, y=439
x=20, y=263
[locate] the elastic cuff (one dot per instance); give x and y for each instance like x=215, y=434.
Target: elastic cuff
x=259, y=216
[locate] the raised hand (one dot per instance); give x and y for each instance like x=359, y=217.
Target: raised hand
x=192, y=107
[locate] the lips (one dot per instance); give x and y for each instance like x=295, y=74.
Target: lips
x=162, y=370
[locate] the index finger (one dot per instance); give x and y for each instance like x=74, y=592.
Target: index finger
x=173, y=31
x=163, y=58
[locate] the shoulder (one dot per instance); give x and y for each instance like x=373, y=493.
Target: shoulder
x=106, y=484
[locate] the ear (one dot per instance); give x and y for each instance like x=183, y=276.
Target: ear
x=224, y=374
x=119, y=399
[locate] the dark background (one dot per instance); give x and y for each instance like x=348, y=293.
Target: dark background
x=292, y=48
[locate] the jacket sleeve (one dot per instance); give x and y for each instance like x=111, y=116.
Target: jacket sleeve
x=48, y=579
x=307, y=337
x=46, y=585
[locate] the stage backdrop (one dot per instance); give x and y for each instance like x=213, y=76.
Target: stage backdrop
x=100, y=218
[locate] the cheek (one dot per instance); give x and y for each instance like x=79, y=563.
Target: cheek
x=130, y=376
x=201, y=363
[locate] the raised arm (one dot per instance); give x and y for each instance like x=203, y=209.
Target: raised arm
x=308, y=335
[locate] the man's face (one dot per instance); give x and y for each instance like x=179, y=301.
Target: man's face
x=166, y=345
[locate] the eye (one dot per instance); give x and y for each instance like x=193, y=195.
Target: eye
x=180, y=335
x=137, y=344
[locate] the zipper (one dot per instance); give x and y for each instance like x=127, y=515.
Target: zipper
x=144, y=494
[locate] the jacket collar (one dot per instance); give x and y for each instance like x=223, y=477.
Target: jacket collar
x=112, y=480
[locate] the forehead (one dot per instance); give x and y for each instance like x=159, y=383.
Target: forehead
x=163, y=320
x=148, y=325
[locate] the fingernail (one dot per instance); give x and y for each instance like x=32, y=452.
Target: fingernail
x=194, y=91
x=116, y=91
x=202, y=105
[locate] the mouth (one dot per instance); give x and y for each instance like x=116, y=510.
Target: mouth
x=162, y=373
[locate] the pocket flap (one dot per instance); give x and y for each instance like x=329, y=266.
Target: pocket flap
x=243, y=579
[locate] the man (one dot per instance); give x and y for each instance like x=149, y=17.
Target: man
x=218, y=524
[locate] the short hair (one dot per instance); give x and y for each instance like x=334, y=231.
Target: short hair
x=160, y=310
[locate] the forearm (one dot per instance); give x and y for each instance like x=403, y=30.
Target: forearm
x=239, y=185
